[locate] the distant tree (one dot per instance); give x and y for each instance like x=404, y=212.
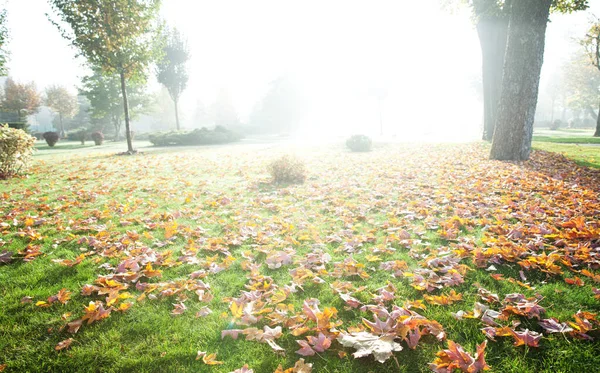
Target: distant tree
x=171, y=70
x=3, y=41
x=201, y=117
x=19, y=98
x=591, y=43
x=223, y=110
x=582, y=85
x=105, y=97
x=523, y=61
x=114, y=35
x=280, y=109
x=63, y=103
x=82, y=118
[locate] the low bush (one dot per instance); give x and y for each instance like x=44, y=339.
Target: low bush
x=78, y=134
x=287, y=169
x=201, y=136
x=51, y=138
x=359, y=143
x=98, y=137
x=555, y=125
x=16, y=147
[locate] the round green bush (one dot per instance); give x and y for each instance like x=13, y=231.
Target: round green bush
x=51, y=138
x=359, y=143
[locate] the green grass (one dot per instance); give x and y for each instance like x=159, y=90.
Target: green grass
x=222, y=192
x=584, y=155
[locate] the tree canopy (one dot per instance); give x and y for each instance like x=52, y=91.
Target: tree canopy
x=116, y=36
x=20, y=98
x=105, y=96
x=62, y=102
x=3, y=41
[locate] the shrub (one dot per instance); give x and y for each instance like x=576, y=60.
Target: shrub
x=201, y=136
x=555, y=125
x=51, y=138
x=98, y=137
x=16, y=147
x=78, y=134
x=287, y=169
x=359, y=143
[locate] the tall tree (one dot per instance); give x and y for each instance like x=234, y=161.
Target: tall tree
x=591, y=42
x=62, y=103
x=106, y=101
x=115, y=35
x=20, y=98
x=523, y=61
x=520, y=84
x=171, y=70
x=3, y=41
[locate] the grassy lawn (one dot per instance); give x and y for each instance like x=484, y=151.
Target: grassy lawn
x=161, y=252
x=583, y=155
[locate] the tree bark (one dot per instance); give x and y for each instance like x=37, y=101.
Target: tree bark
x=126, y=108
x=176, y=113
x=521, y=79
x=492, y=33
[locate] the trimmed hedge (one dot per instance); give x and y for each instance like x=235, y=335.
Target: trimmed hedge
x=51, y=138
x=203, y=136
x=359, y=143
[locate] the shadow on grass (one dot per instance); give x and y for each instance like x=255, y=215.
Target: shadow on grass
x=568, y=140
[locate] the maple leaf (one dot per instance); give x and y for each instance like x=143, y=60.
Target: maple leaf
x=179, y=309
x=208, y=359
x=455, y=357
x=6, y=257
x=553, y=326
x=64, y=344
x=527, y=337
x=369, y=344
x=575, y=281
x=204, y=311
x=299, y=367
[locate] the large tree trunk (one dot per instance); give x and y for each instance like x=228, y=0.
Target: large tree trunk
x=176, y=113
x=126, y=108
x=521, y=79
x=492, y=33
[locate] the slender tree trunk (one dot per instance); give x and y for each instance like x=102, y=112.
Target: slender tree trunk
x=492, y=31
x=62, y=127
x=597, y=133
x=521, y=79
x=176, y=113
x=126, y=108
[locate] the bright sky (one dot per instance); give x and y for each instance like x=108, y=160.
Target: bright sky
x=338, y=50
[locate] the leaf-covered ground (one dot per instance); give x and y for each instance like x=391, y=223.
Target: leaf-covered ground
x=191, y=260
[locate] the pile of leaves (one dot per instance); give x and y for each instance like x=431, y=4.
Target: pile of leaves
x=413, y=259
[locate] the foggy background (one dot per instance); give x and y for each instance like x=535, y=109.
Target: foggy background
x=335, y=57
